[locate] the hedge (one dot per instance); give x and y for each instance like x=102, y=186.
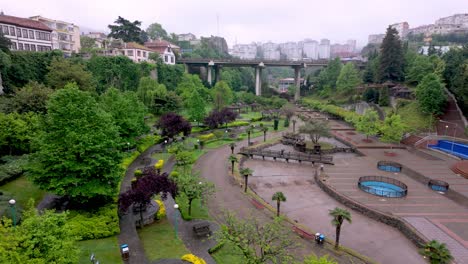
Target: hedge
x=193, y=259
x=93, y=225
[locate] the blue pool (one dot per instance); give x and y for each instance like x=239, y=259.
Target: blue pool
x=457, y=149
x=439, y=188
x=382, y=186
x=389, y=168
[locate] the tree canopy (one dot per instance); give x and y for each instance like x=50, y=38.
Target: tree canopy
x=222, y=95
x=368, y=123
x=348, y=79
x=156, y=31
x=393, y=129
x=430, y=94
x=32, y=98
x=126, y=30
x=172, y=124
x=78, y=152
x=63, y=71
x=391, y=57
x=315, y=130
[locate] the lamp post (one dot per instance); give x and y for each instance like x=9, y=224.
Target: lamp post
x=164, y=147
x=176, y=210
x=201, y=195
x=446, y=127
x=454, y=132
x=225, y=133
x=12, y=203
x=128, y=146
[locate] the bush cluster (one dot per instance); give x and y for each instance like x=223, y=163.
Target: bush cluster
x=12, y=167
x=206, y=137
x=162, y=210
x=193, y=259
x=216, y=248
x=93, y=225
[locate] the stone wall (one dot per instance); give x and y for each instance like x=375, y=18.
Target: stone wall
x=413, y=235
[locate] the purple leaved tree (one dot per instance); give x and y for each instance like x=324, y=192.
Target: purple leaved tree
x=172, y=124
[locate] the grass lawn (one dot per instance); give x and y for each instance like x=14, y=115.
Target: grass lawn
x=228, y=254
x=106, y=250
x=198, y=211
x=412, y=117
x=250, y=115
x=159, y=241
x=218, y=143
x=161, y=156
x=20, y=189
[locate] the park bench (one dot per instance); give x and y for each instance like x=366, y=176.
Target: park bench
x=303, y=233
x=257, y=204
x=202, y=229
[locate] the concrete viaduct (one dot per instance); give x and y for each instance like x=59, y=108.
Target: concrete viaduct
x=218, y=64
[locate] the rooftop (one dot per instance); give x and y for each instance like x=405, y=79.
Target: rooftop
x=23, y=22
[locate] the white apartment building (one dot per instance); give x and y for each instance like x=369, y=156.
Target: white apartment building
x=136, y=52
x=352, y=45
x=291, y=50
x=324, y=49
x=458, y=19
x=271, y=51
x=65, y=35
x=164, y=48
x=402, y=29
x=310, y=49
x=245, y=51
x=186, y=37
x=26, y=34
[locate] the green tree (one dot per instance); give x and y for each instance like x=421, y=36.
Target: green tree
x=156, y=31
x=315, y=130
x=246, y=172
x=41, y=238
x=222, y=95
x=151, y=94
x=327, y=78
x=63, y=71
x=392, y=129
x=391, y=57
x=18, y=132
x=190, y=83
x=430, y=95
x=339, y=215
x=32, y=98
x=127, y=112
x=233, y=159
x=348, y=79
x=258, y=241
x=265, y=130
x=170, y=75
x=196, y=106
x=437, y=252
x=126, y=30
x=418, y=68
x=5, y=43
x=384, y=97
x=278, y=197
x=78, y=148
x=87, y=44
x=322, y=260
x=192, y=186
x=368, y=123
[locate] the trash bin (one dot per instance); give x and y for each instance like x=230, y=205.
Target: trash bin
x=124, y=250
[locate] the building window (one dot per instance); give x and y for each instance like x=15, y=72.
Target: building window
x=18, y=32
x=166, y=59
x=172, y=59
x=33, y=47
x=144, y=54
x=26, y=47
x=129, y=52
x=47, y=36
x=13, y=46
x=31, y=34
x=5, y=30
x=25, y=33
x=12, y=31
x=38, y=35
x=138, y=53
x=20, y=46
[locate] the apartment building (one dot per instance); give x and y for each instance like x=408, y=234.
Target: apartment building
x=164, y=48
x=26, y=34
x=136, y=52
x=65, y=35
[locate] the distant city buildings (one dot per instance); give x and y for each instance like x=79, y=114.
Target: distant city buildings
x=65, y=35
x=244, y=51
x=457, y=23
x=324, y=49
x=26, y=34
x=186, y=37
x=310, y=49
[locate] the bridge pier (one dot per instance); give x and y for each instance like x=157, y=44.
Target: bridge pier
x=208, y=78
x=258, y=81
x=297, y=81
x=218, y=72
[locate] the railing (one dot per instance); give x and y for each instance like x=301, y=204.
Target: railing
x=384, y=193
x=389, y=166
x=287, y=155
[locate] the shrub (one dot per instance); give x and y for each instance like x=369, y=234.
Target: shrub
x=216, y=248
x=206, y=137
x=162, y=210
x=174, y=174
x=159, y=165
x=138, y=173
x=13, y=168
x=148, y=141
x=238, y=124
x=193, y=259
x=128, y=160
x=218, y=134
x=93, y=225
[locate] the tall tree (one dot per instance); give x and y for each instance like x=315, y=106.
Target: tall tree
x=260, y=242
x=63, y=71
x=222, y=95
x=156, y=31
x=246, y=172
x=278, y=197
x=315, y=130
x=338, y=216
x=233, y=159
x=430, y=95
x=393, y=129
x=151, y=94
x=327, y=77
x=193, y=187
x=196, y=106
x=418, y=67
x=368, y=123
x=78, y=149
x=348, y=79
x=391, y=57
x=41, y=238
x=126, y=30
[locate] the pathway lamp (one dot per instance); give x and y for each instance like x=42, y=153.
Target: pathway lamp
x=128, y=146
x=201, y=195
x=176, y=212
x=446, y=128
x=12, y=203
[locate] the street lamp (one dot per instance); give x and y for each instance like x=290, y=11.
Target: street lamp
x=446, y=127
x=12, y=203
x=128, y=146
x=201, y=195
x=176, y=210
x=164, y=147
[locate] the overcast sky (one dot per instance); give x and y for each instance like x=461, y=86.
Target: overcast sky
x=246, y=21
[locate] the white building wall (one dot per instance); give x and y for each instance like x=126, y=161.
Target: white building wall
x=324, y=49
x=310, y=49
x=35, y=40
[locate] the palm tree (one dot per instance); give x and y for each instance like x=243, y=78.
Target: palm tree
x=249, y=130
x=232, y=146
x=278, y=197
x=233, y=159
x=294, y=125
x=246, y=172
x=264, y=129
x=339, y=215
x=436, y=252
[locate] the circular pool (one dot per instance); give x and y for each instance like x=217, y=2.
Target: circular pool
x=389, y=166
x=383, y=186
